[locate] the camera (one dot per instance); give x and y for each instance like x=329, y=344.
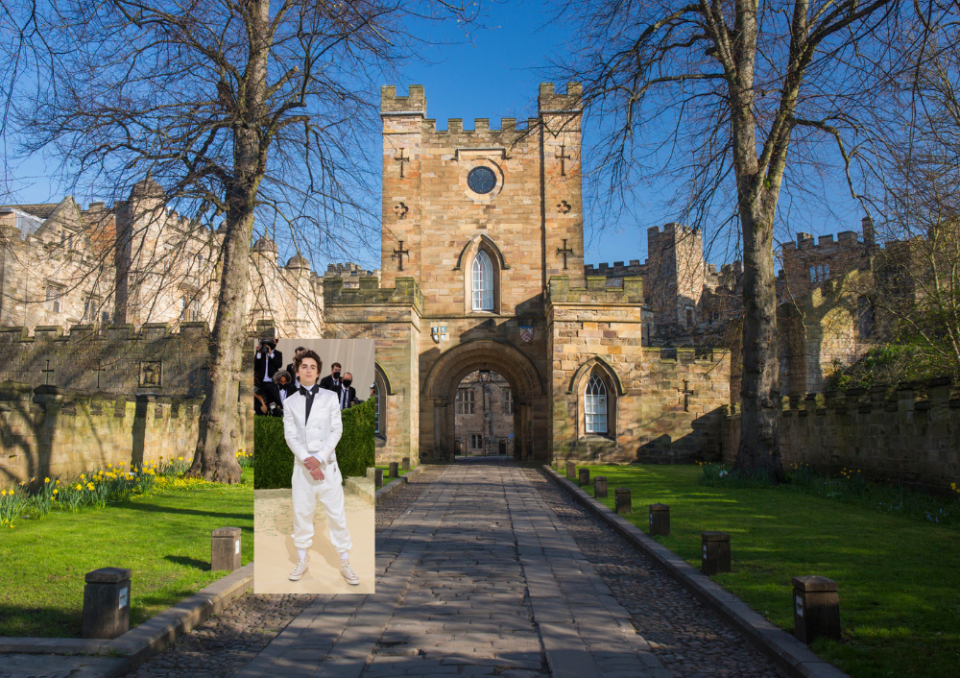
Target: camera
x=257, y=390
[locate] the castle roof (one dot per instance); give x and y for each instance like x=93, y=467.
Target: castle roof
x=298, y=262
x=265, y=244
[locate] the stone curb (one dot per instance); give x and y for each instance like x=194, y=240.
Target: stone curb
x=397, y=483
x=360, y=486
x=150, y=637
x=784, y=650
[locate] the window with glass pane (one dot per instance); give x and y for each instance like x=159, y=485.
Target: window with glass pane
x=596, y=406
x=482, y=282
x=507, y=401
x=465, y=401
x=52, y=296
x=376, y=408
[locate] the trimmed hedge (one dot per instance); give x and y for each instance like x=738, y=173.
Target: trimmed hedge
x=273, y=460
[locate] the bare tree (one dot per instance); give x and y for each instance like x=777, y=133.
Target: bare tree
x=237, y=110
x=729, y=99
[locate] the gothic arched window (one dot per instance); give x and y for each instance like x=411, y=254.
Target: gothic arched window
x=595, y=406
x=482, y=270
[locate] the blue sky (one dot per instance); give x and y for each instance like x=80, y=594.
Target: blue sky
x=492, y=72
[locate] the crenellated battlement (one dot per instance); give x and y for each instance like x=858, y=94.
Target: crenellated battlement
x=369, y=293
x=905, y=433
x=597, y=291
x=118, y=332
x=570, y=101
x=415, y=103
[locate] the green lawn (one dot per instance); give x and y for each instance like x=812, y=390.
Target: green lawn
x=899, y=577
x=164, y=538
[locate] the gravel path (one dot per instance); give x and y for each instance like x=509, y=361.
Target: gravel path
x=690, y=639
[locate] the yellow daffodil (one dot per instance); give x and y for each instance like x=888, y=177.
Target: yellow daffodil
x=55, y=491
x=179, y=458
x=46, y=480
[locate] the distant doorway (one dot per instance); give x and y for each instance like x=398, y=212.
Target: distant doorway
x=484, y=415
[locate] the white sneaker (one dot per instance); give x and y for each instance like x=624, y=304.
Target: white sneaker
x=300, y=569
x=348, y=573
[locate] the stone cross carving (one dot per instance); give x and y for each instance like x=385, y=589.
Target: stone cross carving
x=401, y=210
x=686, y=392
x=564, y=251
x=562, y=157
x=563, y=207
x=47, y=374
x=100, y=370
x=402, y=162
x=398, y=253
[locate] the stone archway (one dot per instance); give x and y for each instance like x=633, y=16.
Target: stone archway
x=437, y=414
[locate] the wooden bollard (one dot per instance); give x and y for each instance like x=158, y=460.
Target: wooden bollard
x=622, y=502
x=405, y=463
x=816, y=608
x=600, y=487
x=106, y=603
x=659, y=520
x=716, y=552
x=394, y=469
x=225, y=549
x=378, y=478
x=571, y=470
x=584, y=478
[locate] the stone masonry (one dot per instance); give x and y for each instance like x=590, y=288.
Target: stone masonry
x=549, y=329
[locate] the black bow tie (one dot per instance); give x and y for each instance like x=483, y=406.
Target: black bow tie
x=312, y=391
x=308, y=393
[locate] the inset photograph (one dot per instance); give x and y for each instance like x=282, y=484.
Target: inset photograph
x=314, y=529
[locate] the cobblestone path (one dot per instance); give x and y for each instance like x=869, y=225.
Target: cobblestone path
x=690, y=639
x=483, y=570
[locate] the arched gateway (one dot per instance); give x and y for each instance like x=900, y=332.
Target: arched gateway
x=440, y=389
x=482, y=269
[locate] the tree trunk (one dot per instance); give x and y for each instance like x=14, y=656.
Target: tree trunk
x=216, y=455
x=759, y=451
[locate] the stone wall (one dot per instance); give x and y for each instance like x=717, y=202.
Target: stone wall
x=391, y=317
x=909, y=435
x=665, y=403
x=117, y=360
x=56, y=432
x=73, y=403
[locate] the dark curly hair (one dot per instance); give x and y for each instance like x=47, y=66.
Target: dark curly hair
x=309, y=353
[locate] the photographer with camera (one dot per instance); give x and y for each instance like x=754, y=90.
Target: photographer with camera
x=267, y=361
x=276, y=393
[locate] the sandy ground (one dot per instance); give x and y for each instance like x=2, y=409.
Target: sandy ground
x=275, y=555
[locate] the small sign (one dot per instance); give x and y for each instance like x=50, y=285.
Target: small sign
x=526, y=333
x=799, y=606
x=238, y=546
x=439, y=333
x=124, y=597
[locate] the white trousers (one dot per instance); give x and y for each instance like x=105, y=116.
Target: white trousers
x=306, y=492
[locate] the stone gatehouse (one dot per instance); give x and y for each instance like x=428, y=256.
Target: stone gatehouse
x=482, y=269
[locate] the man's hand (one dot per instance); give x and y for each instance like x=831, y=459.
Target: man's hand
x=314, y=467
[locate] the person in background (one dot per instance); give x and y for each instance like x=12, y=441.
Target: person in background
x=348, y=394
x=332, y=381
x=266, y=362
x=293, y=370
x=278, y=392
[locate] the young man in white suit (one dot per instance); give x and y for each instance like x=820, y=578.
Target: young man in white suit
x=312, y=427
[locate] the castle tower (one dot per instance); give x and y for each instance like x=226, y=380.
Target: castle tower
x=447, y=194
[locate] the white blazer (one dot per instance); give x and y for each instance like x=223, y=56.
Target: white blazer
x=319, y=436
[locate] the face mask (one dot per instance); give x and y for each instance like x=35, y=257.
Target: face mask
x=347, y=382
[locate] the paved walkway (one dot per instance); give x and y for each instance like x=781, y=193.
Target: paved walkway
x=478, y=577
x=483, y=569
